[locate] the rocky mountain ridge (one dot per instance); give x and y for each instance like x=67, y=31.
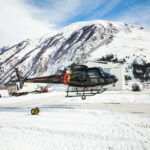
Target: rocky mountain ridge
x=45, y=55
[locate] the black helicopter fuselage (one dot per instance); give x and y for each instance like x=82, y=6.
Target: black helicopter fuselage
x=90, y=77
x=78, y=76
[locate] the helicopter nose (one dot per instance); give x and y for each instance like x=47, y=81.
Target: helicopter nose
x=115, y=79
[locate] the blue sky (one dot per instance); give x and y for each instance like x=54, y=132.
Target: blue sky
x=22, y=19
x=129, y=11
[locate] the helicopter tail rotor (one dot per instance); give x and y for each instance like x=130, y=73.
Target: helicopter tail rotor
x=19, y=77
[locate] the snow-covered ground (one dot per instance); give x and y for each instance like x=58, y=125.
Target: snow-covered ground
x=73, y=124
x=59, y=96
x=70, y=129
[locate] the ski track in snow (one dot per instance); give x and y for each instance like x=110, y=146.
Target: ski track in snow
x=73, y=129
x=70, y=128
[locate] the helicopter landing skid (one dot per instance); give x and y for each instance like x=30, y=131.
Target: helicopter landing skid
x=84, y=92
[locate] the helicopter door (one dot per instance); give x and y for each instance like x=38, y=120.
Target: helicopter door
x=93, y=77
x=78, y=76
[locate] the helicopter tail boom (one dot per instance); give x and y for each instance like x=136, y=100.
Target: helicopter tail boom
x=55, y=79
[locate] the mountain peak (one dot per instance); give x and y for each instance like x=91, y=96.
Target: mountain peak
x=45, y=55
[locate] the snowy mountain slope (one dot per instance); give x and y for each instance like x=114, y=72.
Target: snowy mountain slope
x=45, y=55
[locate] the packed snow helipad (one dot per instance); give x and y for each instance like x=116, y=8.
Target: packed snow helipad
x=71, y=124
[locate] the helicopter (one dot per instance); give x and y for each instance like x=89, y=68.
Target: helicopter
x=81, y=77
x=83, y=80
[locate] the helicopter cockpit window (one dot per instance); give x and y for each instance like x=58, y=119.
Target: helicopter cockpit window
x=93, y=73
x=104, y=73
x=94, y=76
x=107, y=74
